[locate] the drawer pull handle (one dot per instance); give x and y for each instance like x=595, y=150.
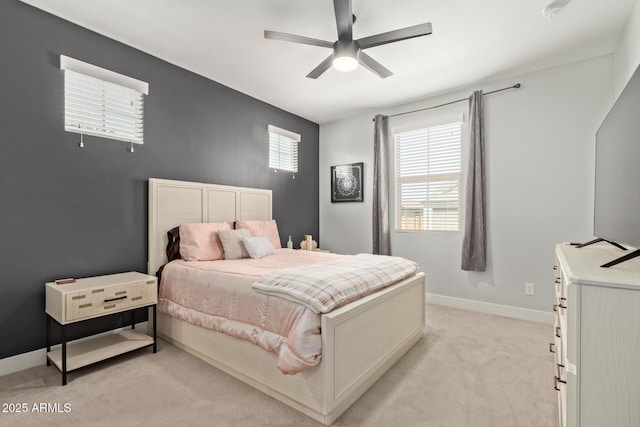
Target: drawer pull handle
x=85, y=305
x=107, y=307
x=97, y=291
x=552, y=347
x=136, y=298
x=121, y=292
x=558, y=331
x=115, y=299
x=150, y=282
x=78, y=297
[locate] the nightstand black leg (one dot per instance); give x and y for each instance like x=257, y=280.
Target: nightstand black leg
x=133, y=319
x=155, y=340
x=48, y=339
x=64, y=355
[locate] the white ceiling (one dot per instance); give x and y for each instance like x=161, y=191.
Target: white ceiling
x=473, y=41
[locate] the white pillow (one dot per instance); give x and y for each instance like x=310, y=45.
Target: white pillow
x=258, y=246
x=263, y=228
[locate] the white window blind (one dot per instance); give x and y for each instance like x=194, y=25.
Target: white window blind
x=283, y=149
x=102, y=103
x=428, y=178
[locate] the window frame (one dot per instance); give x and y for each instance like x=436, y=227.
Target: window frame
x=283, y=138
x=412, y=126
x=102, y=103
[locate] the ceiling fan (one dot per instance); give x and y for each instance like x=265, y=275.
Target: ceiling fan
x=347, y=52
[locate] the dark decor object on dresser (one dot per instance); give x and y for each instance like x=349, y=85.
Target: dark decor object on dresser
x=346, y=183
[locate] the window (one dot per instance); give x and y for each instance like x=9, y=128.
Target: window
x=428, y=178
x=283, y=149
x=102, y=103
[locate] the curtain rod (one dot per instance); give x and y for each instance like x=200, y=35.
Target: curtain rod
x=515, y=86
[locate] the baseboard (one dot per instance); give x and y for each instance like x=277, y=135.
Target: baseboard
x=490, y=308
x=34, y=358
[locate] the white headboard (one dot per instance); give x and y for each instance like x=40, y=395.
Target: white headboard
x=172, y=203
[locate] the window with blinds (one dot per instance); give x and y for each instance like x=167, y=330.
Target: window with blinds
x=428, y=178
x=283, y=149
x=102, y=103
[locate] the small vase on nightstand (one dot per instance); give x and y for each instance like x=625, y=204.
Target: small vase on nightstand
x=290, y=243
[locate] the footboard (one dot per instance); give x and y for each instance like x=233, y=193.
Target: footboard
x=364, y=339
x=360, y=342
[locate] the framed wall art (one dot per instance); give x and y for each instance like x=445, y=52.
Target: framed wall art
x=346, y=183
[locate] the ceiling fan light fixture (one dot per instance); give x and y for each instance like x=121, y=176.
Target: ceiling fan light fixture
x=345, y=63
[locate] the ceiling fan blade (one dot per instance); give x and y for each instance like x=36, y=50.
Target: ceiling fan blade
x=396, y=35
x=374, y=66
x=275, y=35
x=324, y=66
x=344, y=19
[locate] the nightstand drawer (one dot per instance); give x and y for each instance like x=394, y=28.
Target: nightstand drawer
x=143, y=293
x=79, y=305
x=112, y=298
x=97, y=301
x=92, y=297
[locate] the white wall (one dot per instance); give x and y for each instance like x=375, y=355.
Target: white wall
x=539, y=143
x=627, y=54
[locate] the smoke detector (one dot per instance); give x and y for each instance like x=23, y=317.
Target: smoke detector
x=555, y=8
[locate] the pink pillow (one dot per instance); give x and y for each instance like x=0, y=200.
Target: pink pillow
x=200, y=242
x=263, y=228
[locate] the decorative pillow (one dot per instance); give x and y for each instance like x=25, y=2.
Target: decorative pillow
x=258, y=247
x=232, y=243
x=263, y=228
x=200, y=242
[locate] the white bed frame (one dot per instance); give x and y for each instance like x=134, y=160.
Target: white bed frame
x=360, y=341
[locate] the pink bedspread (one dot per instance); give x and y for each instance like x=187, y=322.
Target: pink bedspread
x=218, y=295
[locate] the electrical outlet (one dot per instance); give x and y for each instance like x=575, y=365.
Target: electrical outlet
x=529, y=289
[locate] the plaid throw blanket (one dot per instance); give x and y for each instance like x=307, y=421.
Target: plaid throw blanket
x=324, y=286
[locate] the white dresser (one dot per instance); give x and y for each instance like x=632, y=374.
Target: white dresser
x=597, y=337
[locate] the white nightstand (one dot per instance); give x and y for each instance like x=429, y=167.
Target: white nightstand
x=93, y=297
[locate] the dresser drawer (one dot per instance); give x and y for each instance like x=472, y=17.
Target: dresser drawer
x=557, y=341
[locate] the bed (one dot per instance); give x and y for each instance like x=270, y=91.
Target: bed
x=360, y=341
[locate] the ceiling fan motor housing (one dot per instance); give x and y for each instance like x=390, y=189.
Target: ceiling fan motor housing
x=349, y=48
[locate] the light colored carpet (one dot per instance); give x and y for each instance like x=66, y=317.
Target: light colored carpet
x=470, y=369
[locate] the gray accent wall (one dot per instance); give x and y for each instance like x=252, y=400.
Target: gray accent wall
x=72, y=212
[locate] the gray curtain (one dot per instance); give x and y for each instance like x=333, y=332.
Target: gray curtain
x=381, y=243
x=474, y=242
